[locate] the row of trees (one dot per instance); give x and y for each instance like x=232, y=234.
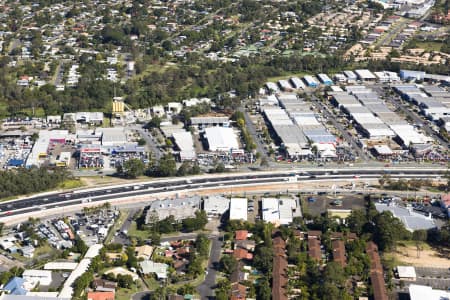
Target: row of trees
x=169, y=224
x=26, y=181
x=239, y=118
x=165, y=167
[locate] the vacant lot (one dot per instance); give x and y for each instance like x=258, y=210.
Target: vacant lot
x=427, y=257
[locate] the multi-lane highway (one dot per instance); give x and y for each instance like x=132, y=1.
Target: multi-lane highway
x=38, y=204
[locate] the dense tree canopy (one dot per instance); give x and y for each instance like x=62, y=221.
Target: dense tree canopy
x=26, y=181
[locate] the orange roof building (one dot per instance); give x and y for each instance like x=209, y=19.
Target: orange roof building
x=100, y=296
x=242, y=254
x=241, y=235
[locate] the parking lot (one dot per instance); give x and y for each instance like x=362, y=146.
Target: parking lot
x=319, y=204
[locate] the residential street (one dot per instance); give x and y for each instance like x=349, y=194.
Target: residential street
x=206, y=289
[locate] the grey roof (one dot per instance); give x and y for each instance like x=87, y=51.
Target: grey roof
x=193, y=201
x=290, y=134
x=378, y=107
x=411, y=220
x=320, y=136
x=208, y=120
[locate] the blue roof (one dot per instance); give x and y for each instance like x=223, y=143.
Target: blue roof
x=14, y=286
x=15, y=162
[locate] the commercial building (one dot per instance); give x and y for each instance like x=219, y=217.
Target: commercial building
x=89, y=117
x=203, y=122
x=411, y=220
x=387, y=76
x=216, y=205
x=42, y=144
x=351, y=76
x=325, y=79
x=311, y=81
x=185, y=144
x=284, y=85
x=179, y=208
x=37, y=277
x=279, y=211
x=297, y=83
x=420, y=292
x=365, y=75
x=238, y=209
x=221, y=139
x=272, y=87
x=411, y=75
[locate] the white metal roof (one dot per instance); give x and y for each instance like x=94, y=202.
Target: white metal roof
x=406, y=272
x=221, y=139
x=60, y=266
x=184, y=140
x=409, y=135
x=421, y=292
x=113, y=135
x=365, y=74
x=238, y=209
x=270, y=210
x=216, y=204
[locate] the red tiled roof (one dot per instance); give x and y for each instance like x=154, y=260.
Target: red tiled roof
x=314, y=234
x=241, y=235
x=242, y=254
x=100, y=296
x=279, y=277
x=314, y=249
x=339, y=252
x=376, y=272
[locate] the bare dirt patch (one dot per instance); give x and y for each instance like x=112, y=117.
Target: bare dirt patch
x=428, y=257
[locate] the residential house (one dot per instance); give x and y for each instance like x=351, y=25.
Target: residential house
x=314, y=250
x=102, y=285
x=100, y=296
x=151, y=267
x=15, y=286
x=242, y=254
x=144, y=252
x=246, y=244
x=339, y=252
x=279, y=273
x=238, y=291
x=241, y=235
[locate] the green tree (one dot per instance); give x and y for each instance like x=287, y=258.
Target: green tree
x=263, y=291
x=133, y=168
x=202, y=245
x=420, y=235
x=356, y=221
x=263, y=260
x=196, y=223
x=166, y=167
x=228, y=264
x=388, y=230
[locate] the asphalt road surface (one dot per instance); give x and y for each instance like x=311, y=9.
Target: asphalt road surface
x=39, y=203
x=206, y=289
x=339, y=127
